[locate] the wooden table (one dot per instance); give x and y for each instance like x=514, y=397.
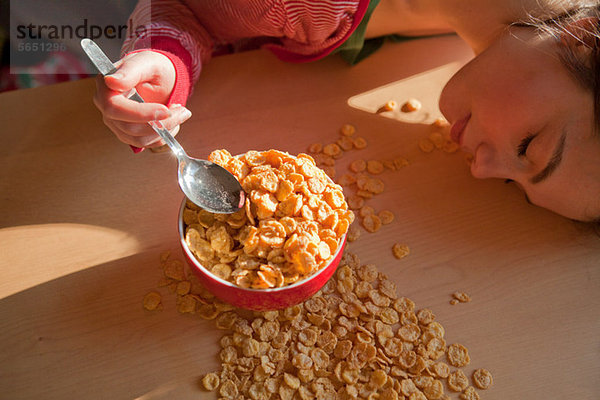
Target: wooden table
x=83, y=221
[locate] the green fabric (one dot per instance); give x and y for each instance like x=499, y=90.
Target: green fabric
x=356, y=48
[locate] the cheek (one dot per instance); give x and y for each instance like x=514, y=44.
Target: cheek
x=553, y=201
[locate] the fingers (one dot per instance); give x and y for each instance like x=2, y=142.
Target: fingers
x=141, y=134
x=114, y=105
x=121, y=108
x=135, y=69
x=151, y=73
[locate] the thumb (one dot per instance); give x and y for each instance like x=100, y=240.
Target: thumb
x=131, y=73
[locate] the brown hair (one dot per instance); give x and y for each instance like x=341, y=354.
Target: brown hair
x=586, y=71
x=571, y=35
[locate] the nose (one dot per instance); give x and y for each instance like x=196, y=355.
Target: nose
x=489, y=163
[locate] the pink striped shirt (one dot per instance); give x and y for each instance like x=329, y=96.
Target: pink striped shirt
x=188, y=31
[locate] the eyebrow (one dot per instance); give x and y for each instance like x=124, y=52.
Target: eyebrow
x=553, y=163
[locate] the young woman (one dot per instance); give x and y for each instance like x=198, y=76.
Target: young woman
x=527, y=106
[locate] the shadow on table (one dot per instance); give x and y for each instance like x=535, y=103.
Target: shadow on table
x=87, y=335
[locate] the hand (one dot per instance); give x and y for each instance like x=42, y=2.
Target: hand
x=153, y=76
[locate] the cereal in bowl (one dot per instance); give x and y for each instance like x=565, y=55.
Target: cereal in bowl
x=290, y=227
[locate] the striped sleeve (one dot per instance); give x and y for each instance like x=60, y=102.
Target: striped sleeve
x=316, y=28
x=169, y=25
x=188, y=31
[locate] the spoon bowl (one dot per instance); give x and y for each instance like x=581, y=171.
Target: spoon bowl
x=210, y=186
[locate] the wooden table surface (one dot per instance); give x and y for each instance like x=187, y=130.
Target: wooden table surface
x=83, y=221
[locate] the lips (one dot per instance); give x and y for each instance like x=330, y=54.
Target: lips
x=456, y=132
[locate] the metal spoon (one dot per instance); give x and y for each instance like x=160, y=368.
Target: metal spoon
x=207, y=184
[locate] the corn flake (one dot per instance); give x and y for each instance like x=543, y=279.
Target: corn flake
x=386, y=217
x=450, y=146
x=320, y=358
x=469, y=394
x=355, y=202
x=315, y=148
x=425, y=316
x=482, y=378
x=400, y=250
x=348, y=130
x=389, y=316
x=441, y=369
x=457, y=381
x=174, y=270
x=186, y=304
x=409, y=332
x=390, y=105
x=374, y=167
x=374, y=186
x=437, y=139
x=358, y=166
x=346, y=180
x=360, y=143
x=353, y=233
x=400, y=162
x=411, y=105
x=461, y=297
x=211, y=381
x=365, y=194
x=434, y=391
x=228, y=389
x=183, y=288
x=458, y=355
x=152, y=301
x=371, y=223
x=332, y=150
x=426, y=145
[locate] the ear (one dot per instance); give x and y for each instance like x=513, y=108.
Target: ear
x=581, y=33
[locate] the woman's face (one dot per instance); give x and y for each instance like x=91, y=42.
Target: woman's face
x=521, y=114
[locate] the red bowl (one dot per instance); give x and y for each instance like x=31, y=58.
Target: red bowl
x=258, y=299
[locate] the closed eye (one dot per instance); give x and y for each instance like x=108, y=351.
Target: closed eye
x=524, y=144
